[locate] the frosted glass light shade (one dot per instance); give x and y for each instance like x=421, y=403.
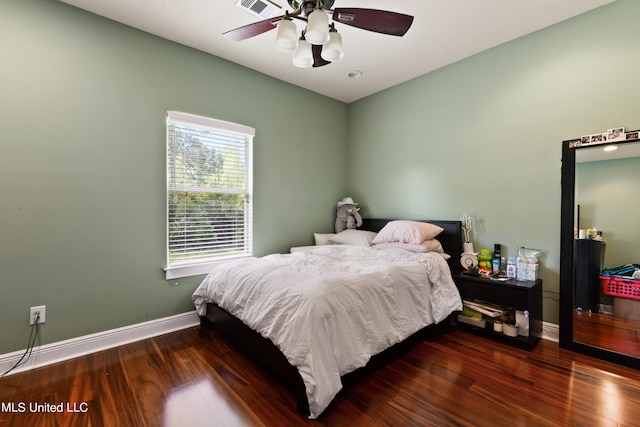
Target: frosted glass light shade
x=317, y=27
x=303, y=56
x=332, y=51
x=286, y=37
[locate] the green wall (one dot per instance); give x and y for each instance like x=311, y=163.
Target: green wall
x=82, y=166
x=483, y=136
x=607, y=192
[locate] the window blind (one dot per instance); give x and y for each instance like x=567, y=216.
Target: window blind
x=208, y=189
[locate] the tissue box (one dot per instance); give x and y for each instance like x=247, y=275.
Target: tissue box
x=532, y=272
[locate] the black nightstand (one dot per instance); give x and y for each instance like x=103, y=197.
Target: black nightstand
x=523, y=296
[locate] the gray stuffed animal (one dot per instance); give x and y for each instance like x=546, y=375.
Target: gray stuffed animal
x=347, y=215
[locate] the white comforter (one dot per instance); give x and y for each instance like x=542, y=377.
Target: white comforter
x=330, y=308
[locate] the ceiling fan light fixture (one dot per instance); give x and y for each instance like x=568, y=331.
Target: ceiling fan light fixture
x=303, y=56
x=320, y=43
x=286, y=37
x=317, y=27
x=332, y=51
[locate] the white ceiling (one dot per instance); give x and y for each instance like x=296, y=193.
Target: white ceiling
x=443, y=32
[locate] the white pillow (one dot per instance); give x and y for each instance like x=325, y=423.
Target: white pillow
x=407, y=232
x=323, y=239
x=431, y=245
x=354, y=237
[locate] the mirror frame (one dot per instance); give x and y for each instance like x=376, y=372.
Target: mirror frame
x=567, y=225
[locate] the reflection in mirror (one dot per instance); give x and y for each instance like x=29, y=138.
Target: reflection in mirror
x=607, y=198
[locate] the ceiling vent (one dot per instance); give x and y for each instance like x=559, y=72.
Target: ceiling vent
x=262, y=8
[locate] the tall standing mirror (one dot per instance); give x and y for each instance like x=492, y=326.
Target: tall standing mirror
x=599, y=314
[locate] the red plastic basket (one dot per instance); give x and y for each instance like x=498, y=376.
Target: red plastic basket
x=620, y=286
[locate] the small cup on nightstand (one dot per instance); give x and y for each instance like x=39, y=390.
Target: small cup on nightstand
x=511, y=330
x=497, y=326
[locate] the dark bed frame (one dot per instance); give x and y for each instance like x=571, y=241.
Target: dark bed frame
x=267, y=355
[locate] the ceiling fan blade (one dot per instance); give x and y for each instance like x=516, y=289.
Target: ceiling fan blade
x=316, y=49
x=251, y=30
x=379, y=21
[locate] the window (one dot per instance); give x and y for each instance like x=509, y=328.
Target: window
x=208, y=193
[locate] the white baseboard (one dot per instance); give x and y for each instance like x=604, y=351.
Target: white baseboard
x=550, y=331
x=79, y=346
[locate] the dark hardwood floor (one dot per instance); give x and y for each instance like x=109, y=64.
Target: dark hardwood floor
x=607, y=331
x=195, y=378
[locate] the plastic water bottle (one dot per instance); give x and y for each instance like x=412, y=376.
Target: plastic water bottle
x=521, y=265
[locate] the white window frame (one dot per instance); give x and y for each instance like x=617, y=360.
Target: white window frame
x=191, y=267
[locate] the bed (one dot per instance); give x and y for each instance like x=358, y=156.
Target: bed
x=322, y=314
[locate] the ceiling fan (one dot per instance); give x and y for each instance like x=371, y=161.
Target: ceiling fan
x=320, y=43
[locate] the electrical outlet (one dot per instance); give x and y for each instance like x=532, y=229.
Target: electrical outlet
x=38, y=313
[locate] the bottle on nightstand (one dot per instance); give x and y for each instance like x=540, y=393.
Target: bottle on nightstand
x=521, y=265
x=495, y=262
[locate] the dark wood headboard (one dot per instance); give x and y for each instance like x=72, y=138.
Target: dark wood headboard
x=450, y=238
